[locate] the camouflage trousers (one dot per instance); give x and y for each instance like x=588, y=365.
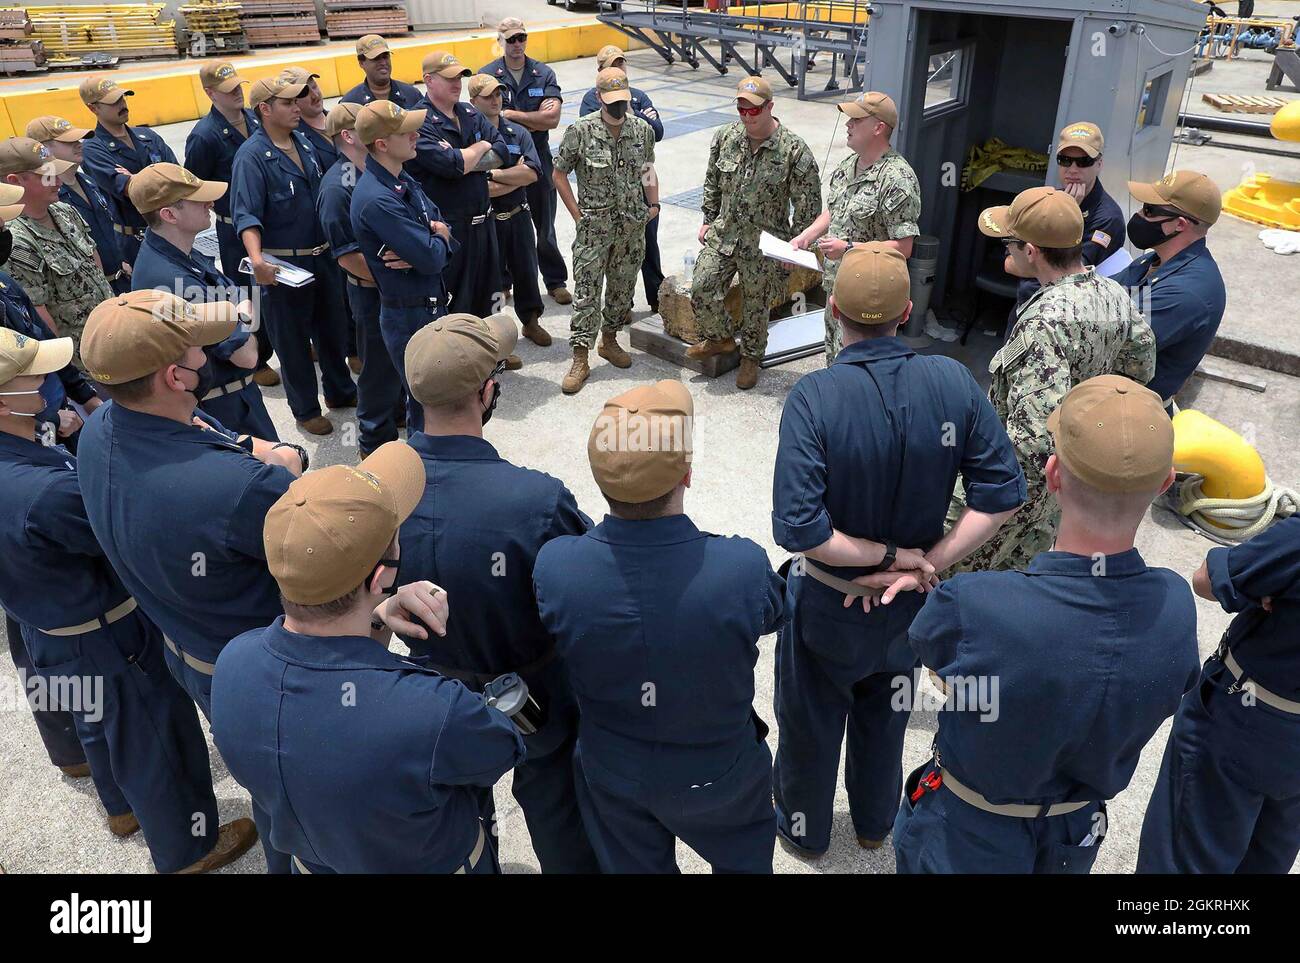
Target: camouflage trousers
x=606, y=253
x=1015, y=544
x=762, y=281
x=833, y=335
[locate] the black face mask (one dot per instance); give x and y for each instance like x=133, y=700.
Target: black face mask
x=496, y=396
x=396, y=565
x=6, y=245
x=206, y=379
x=1147, y=234
x=617, y=109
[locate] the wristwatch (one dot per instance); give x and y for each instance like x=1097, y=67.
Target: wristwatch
x=891, y=552
x=302, y=452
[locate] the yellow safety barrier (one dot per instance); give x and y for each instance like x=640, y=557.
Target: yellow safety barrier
x=175, y=97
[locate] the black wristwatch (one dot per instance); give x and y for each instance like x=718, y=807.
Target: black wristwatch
x=891, y=552
x=302, y=453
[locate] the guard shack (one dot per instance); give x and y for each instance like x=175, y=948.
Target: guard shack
x=966, y=71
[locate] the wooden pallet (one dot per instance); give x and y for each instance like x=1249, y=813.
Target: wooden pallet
x=1236, y=104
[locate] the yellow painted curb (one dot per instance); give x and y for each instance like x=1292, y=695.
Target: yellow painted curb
x=174, y=97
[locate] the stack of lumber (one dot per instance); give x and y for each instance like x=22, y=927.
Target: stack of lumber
x=214, y=28
x=356, y=18
x=19, y=53
x=272, y=22
x=15, y=24
x=123, y=30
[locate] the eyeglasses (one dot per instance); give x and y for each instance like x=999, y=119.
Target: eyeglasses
x=1065, y=160
x=749, y=111
x=1010, y=242
x=496, y=371
x=517, y=38
x=1155, y=211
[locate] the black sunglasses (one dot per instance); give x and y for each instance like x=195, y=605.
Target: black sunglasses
x=1010, y=242
x=517, y=38
x=1153, y=211
x=496, y=371
x=1064, y=160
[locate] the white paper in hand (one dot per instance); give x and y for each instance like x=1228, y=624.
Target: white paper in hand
x=1115, y=263
x=285, y=273
x=769, y=245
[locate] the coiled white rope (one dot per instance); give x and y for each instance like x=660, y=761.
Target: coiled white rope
x=1231, y=520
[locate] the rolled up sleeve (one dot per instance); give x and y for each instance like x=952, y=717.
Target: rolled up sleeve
x=991, y=474
x=799, y=517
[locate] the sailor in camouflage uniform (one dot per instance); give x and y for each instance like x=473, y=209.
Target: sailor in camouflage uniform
x=758, y=169
x=54, y=257
x=873, y=196
x=613, y=155
x=1077, y=326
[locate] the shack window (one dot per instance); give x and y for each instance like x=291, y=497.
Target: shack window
x=1155, y=93
x=945, y=78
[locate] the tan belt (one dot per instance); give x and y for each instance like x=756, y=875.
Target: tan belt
x=1260, y=693
x=229, y=388
x=510, y=213
x=108, y=618
x=198, y=665
x=226, y=220
x=128, y=231
x=359, y=282
x=839, y=584
x=475, y=855
x=296, y=251
x=1021, y=810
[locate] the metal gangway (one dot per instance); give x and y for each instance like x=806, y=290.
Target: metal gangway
x=788, y=37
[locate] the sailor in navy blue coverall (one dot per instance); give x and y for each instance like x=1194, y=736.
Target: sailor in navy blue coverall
x=379, y=389
x=401, y=234
x=658, y=625
x=476, y=531
x=376, y=62
x=532, y=99
x=178, y=506
x=273, y=197
x=1228, y=796
x=168, y=261
x=116, y=152
x=365, y=761
x=870, y=449
x=456, y=149
x=89, y=638
x=79, y=190
x=1056, y=677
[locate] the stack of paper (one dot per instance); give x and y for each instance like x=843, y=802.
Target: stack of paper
x=769, y=245
x=285, y=273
